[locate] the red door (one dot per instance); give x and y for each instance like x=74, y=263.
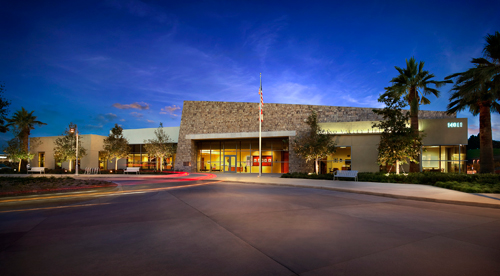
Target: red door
x=284, y=164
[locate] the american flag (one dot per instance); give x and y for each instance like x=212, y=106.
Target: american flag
x=261, y=101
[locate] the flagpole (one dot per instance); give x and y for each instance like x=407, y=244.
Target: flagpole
x=260, y=128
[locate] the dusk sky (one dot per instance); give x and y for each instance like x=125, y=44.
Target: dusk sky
x=97, y=63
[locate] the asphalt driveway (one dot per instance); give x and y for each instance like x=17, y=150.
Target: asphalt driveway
x=243, y=229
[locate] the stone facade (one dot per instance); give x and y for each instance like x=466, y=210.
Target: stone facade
x=200, y=117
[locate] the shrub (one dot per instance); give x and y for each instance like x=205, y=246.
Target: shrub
x=307, y=176
x=470, y=183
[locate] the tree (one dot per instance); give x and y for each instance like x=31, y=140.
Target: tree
x=16, y=152
x=23, y=122
x=478, y=90
x=4, y=104
x=115, y=145
x=161, y=146
x=314, y=144
x=473, y=142
x=65, y=147
x=412, y=83
x=398, y=143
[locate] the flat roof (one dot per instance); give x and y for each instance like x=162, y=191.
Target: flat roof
x=138, y=135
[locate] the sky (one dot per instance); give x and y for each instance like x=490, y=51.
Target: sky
x=134, y=63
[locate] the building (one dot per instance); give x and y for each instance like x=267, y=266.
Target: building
x=223, y=137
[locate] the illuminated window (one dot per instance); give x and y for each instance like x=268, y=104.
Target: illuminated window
x=41, y=159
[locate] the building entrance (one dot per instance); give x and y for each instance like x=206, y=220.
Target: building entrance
x=230, y=163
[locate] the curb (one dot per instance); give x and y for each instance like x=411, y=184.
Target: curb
x=416, y=198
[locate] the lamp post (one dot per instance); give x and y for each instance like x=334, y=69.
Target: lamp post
x=75, y=130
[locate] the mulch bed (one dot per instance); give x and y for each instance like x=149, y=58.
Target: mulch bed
x=12, y=186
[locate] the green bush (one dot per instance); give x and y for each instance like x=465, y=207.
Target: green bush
x=470, y=183
x=469, y=187
x=429, y=178
x=307, y=176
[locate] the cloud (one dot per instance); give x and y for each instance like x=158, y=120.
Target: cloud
x=122, y=120
x=136, y=114
x=110, y=116
x=170, y=110
x=150, y=121
x=262, y=38
x=139, y=9
x=105, y=118
x=295, y=93
x=92, y=127
x=367, y=101
x=136, y=105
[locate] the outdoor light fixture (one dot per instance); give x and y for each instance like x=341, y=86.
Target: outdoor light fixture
x=75, y=130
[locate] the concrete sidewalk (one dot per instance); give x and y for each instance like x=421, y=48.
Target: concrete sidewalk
x=402, y=191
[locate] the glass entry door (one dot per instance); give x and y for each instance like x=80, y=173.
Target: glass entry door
x=230, y=163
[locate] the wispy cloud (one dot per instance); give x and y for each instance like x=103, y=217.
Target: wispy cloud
x=296, y=93
x=110, y=116
x=367, y=101
x=170, y=110
x=136, y=114
x=99, y=121
x=136, y=105
x=150, y=121
x=94, y=127
x=140, y=9
x=263, y=37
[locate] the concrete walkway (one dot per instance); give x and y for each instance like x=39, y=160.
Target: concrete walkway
x=402, y=191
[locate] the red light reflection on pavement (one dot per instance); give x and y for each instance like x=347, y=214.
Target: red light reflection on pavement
x=202, y=176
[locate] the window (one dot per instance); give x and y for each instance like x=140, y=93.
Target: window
x=41, y=159
x=103, y=158
x=211, y=155
x=444, y=159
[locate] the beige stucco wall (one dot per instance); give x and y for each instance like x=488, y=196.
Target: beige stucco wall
x=437, y=132
x=47, y=146
x=364, y=144
x=92, y=143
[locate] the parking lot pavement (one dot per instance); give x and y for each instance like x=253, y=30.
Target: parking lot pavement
x=245, y=229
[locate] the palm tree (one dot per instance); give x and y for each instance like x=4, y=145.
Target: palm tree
x=478, y=89
x=412, y=83
x=24, y=122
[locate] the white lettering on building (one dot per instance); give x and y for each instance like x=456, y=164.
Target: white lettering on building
x=454, y=124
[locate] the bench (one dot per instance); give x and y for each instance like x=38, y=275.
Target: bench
x=92, y=170
x=132, y=169
x=350, y=174
x=37, y=169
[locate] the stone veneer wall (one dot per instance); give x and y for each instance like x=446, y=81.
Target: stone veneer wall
x=200, y=117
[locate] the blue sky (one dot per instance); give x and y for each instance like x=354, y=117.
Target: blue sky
x=97, y=63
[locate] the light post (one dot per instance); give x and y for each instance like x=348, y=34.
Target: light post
x=75, y=130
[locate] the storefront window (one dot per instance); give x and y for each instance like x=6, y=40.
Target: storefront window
x=339, y=161
x=444, y=159
x=242, y=156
